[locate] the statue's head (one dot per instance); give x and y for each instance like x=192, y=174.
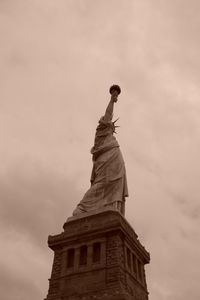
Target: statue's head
x=115, y=89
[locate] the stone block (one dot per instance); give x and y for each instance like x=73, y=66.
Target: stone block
x=110, y=275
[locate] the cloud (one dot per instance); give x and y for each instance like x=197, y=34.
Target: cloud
x=35, y=202
x=26, y=269
x=58, y=60
x=35, y=199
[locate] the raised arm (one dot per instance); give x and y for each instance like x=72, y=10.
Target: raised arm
x=109, y=110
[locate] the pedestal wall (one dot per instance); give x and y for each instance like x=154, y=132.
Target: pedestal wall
x=98, y=256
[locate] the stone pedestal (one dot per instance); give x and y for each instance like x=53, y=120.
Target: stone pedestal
x=98, y=256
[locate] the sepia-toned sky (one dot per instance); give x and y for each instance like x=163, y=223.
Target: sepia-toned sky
x=57, y=62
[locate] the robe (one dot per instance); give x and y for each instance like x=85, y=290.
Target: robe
x=108, y=178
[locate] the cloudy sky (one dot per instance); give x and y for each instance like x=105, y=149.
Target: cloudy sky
x=57, y=61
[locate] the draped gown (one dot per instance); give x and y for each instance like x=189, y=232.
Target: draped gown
x=108, y=178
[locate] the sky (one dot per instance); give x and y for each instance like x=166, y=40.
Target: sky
x=57, y=62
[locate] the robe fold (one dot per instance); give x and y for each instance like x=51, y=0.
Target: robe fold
x=108, y=178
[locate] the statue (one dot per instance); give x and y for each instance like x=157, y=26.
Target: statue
x=108, y=178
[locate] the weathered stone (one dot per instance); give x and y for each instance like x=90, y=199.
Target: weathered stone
x=111, y=277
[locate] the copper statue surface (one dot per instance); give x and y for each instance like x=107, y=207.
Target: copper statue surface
x=108, y=178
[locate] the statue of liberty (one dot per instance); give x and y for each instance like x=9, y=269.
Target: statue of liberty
x=108, y=178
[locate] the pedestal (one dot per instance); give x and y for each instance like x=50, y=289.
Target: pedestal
x=98, y=256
